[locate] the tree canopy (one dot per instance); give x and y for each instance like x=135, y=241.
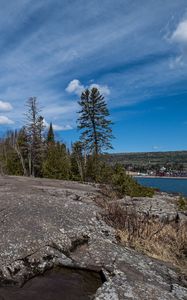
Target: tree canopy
x=94, y=122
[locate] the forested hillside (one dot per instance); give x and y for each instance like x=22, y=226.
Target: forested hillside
x=176, y=159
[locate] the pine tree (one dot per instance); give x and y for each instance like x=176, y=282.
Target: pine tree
x=57, y=163
x=50, y=135
x=96, y=132
x=34, y=130
x=77, y=162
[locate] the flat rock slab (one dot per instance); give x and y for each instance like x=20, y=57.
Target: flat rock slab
x=161, y=205
x=46, y=223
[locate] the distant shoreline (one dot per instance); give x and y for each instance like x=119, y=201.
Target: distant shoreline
x=164, y=177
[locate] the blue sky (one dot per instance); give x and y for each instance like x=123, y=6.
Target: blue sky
x=134, y=51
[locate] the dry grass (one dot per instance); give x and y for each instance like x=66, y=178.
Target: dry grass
x=166, y=241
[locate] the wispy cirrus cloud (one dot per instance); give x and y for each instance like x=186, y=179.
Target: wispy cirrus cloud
x=180, y=33
x=179, y=37
x=123, y=52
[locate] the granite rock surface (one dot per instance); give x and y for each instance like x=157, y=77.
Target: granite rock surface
x=46, y=223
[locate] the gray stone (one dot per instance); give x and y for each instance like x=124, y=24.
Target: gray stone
x=45, y=223
x=161, y=205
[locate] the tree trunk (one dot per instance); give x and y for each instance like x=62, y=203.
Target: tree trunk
x=30, y=163
x=21, y=159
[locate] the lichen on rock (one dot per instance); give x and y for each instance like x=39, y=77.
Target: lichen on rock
x=49, y=223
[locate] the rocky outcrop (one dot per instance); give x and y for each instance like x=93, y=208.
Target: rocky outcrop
x=162, y=206
x=46, y=223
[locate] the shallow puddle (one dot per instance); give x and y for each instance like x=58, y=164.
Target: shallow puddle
x=56, y=284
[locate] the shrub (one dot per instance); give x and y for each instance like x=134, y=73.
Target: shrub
x=98, y=171
x=57, y=164
x=126, y=185
x=166, y=241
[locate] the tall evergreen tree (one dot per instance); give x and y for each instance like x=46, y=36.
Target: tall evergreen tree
x=96, y=132
x=50, y=135
x=34, y=129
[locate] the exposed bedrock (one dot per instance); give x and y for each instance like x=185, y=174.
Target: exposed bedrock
x=50, y=223
x=162, y=206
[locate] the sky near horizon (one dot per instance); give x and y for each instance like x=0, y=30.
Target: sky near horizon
x=134, y=51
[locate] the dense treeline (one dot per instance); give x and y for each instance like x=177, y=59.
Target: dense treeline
x=143, y=161
x=33, y=150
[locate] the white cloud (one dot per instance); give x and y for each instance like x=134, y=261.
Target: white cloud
x=75, y=87
x=5, y=121
x=59, y=127
x=180, y=34
x=63, y=128
x=5, y=106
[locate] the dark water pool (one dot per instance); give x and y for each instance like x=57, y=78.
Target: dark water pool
x=56, y=284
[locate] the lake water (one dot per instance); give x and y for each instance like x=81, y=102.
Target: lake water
x=171, y=185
